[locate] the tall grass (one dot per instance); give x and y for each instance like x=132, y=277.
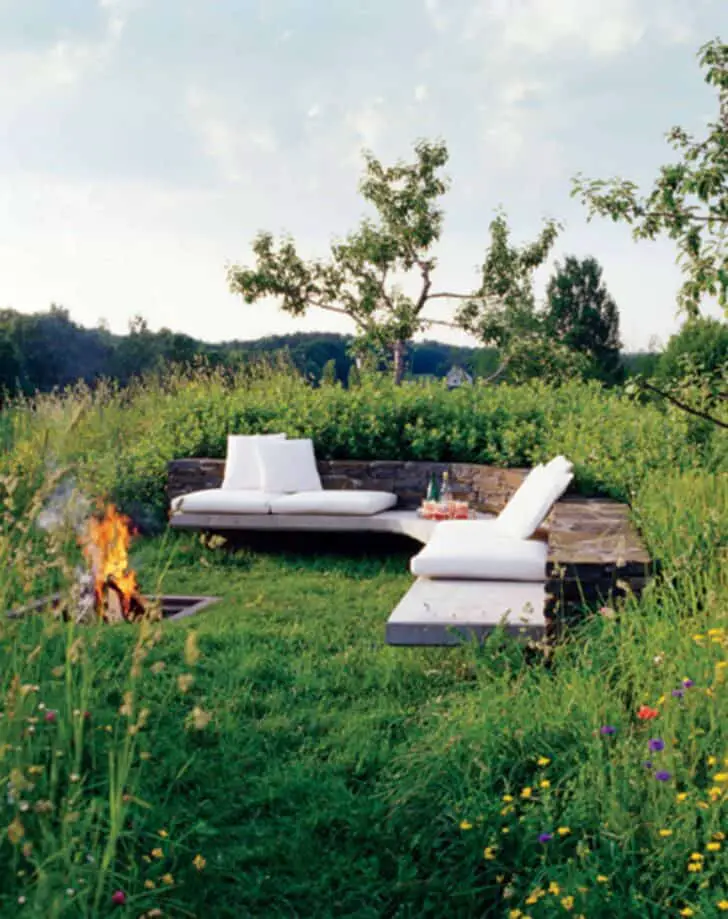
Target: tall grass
x=277, y=760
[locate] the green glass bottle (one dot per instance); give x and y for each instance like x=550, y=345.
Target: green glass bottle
x=433, y=490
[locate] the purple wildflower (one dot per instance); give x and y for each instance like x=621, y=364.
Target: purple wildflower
x=545, y=837
x=607, y=729
x=656, y=745
x=647, y=764
x=663, y=776
x=678, y=693
x=688, y=683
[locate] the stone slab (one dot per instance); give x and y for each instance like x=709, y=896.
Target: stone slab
x=444, y=612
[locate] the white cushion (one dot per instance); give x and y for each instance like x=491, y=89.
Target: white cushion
x=532, y=503
x=287, y=465
x=560, y=464
x=223, y=501
x=242, y=469
x=471, y=550
x=541, y=508
x=354, y=503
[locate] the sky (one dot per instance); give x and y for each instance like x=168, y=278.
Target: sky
x=144, y=143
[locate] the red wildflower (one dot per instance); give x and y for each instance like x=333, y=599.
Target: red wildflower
x=645, y=713
x=118, y=898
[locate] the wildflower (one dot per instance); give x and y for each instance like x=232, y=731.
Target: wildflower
x=647, y=764
x=70, y=891
x=607, y=612
x=688, y=683
x=192, y=652
x=568, y=903
x=150, y=885
x=696, y=857
x=526, y=793
x=50, y=716
x=645, y=713
x=507, y=798
x=489, y=853
x=545, y=837
x=678, y=693
x=711, y=761
x=466, y=825
x=16, y=831
x=200, y=718
x=722, y=905
x=665, y=833
x=157, y=667
x=535, y=896
x=167, y=879
x=21, y=901
x=199, y=862
x=563, y=831
x=118, y=898
x=681, y=796
x=505, y=830
x=656, y=745
x=554, y=888
x=184, y=681
x=607, y=729
x=163, y=833
x=543, y=761
x=515, y=914
x=695, y=867
x=713, y=847
x=663, y=776
x=157, y=853
x=687, y=911
x=721, y=777
x=719, y=836
x=544, y=784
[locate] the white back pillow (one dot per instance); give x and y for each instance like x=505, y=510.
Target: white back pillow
x=529, y=491
x=560, y=464
x=288, y=466
x=242, y=470
x=531, y=515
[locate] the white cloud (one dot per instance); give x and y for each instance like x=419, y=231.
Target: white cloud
x=225, y=139
x=314, y=111
x=421, y=93
x=435, y=15
x=368, y=124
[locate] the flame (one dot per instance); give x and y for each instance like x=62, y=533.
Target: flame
x=106, y=549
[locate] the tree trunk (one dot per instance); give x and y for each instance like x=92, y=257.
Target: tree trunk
x=398, y=361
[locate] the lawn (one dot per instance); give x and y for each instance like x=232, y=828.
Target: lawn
x=273, y=757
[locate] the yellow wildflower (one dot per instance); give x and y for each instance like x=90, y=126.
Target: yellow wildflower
x=150, y=885
x=489, y=853
x=719, y=836
x=16, y=831
x=665, y=833
x=568, y=903
x=157, y=853
x=713, y=847
x=563, y=831
x=184, y=681
x=545, y=784
x=543, y=761
x=163, y=833
x=695, y=867
x=712, y=761
x=192, y=652
x=199, y=862
x=466, y=825
x=167, y=879
x=721, y=777
x=602, y=878
x=200, y=718
x=722, y=905
x=554, y=888
x=526, y=793
x=687, y=911
x=505, y=830
x=507, y=798
x=515, y=914
x=696, y=857
x=681, y=796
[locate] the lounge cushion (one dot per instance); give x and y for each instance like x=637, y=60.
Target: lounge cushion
x=288, y=466
x=472, y=550
x=224, y=501
x=532, y=503
x=242, y=467
x=353, y=503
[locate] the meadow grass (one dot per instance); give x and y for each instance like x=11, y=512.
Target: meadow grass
x=273, y=757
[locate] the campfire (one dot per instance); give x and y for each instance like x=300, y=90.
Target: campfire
x=109, y=589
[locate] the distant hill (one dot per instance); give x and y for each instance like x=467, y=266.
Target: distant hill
x=40, y=351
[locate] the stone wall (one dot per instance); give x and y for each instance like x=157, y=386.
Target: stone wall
x=487, y=488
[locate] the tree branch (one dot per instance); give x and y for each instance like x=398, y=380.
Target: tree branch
x=448, y=296
x=337, y=309
x=686, y=408
x=667, y=215
x=498, y=372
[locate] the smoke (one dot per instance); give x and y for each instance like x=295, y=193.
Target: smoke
x=67, y=507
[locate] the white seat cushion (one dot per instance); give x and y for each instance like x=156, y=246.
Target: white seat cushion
x=224, y=501
x=287, y=466
x=354, y=503
x=532, y=503
x=242, y=468
x=560, y=464
x=471, y=550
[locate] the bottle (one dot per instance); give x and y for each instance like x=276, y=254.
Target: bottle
x=445, y=490
x=433, y=489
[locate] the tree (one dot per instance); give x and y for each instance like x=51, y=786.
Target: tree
x=701, y=345
x=357, y=280
x=582, y=315
x=689, y=198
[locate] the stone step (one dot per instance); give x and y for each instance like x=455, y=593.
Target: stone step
x=445, y=612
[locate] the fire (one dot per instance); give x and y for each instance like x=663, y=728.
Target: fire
x=106, y=548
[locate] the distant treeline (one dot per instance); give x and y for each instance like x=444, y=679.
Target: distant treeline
x=41, y=351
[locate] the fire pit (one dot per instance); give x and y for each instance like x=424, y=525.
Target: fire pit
x=107, y=589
